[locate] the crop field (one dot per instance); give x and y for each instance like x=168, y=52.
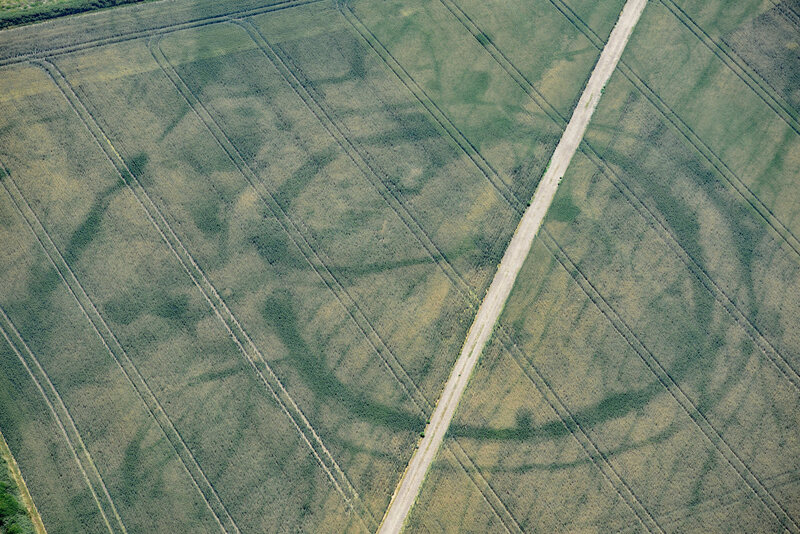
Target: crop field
x=645, y=371
x=241, y=246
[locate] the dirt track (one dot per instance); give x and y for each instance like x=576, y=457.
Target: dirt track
x=489, y=311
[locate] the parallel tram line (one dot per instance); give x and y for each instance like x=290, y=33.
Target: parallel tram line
x=677, y=122
x=301, y=242
x=741, y=469
x=739, y=67
x=129, y=370
x=453, y=132
x=587, y=444
x=218, y=306
x=668, y=382
x=776, y=358
x=772, y=353
x=159, y=30
x=66, y=428
x=395, y=202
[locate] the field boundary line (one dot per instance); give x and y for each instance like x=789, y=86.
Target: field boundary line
x=287, y=224
x=743, y=70
x=62, y=426
x=489, y=311
x=160, y=30
x=234, y=327
x=25, y=494
x=666, y=380
x=125, y=364
x=692, y=265
x=455, y=134
x=438, y=257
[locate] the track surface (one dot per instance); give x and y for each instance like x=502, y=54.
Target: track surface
x=500, y=289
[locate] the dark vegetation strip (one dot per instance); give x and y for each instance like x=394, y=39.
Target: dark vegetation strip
x=112, y=343
x=158, y=30
x=666, y=380
x=619, y=485
x=189, y=265
x=45, y=11
x=677, y=122
x=312, y=257
x=738, y=66
x=423, y=405
x=63, y=419
x=570, y=422
x=434, y=110
x=116, y=351
x=602, y=165
x=775, y=357
x=778, y=359
x=787, y=12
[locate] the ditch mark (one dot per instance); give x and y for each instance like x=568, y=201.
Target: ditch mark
x=713, y=159
x=738, y=66
x=160, y=30
x=677, y=122
x=232, y=325
x=778, y=359
x=422, y=404
x=360, y=157
x=734, y=496
x=629, y=498
x=508, y=66
x=660, y=227
x=571, y=424
x=345, y=299
x=457, y=281
x=121, y=358
x=666, y=380
x=66, y=428
x=337, y=475
x=433, y=109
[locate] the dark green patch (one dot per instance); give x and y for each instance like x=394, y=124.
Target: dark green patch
x=563, y=208
x=279, y=312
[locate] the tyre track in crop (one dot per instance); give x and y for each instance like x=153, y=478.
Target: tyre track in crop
x=581, y=435
x=62, y=425
x=395, y=201
x=622, y=489
x=669, y=383
x=755, y=334
x=688, y=133
x=433, y=109
x=739, y=67
x=349, y=304
x=122, y=359
x=159, y=30
x=786, y=11
x=535, y=95
x=190, y=266
x=489, y=493
x=311, y=256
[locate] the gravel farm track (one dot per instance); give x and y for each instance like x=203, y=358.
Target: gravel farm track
x=503, y=282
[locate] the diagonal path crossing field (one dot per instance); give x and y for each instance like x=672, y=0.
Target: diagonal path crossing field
x=500, y=288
